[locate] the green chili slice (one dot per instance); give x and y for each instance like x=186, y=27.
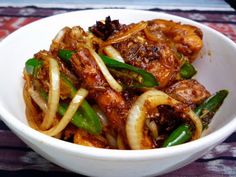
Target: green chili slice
x=32, y=66
x=187, y=71
x=209, y=107
x=85, y=117
x=148, y=80
x=212, y=104
x=178, y=136
x=65, y=54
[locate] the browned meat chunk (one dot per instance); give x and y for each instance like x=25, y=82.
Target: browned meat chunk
x=188, y=91
x=157, y=58
x=187, y=38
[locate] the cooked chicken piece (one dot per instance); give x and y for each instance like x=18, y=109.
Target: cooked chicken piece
x=112, y=103
x=187, y=38
x=157, y=58
x=188, y=91
x=157, y=46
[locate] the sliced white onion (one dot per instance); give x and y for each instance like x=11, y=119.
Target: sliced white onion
x=73, y=106
x=109, y=78
x=113, y=53
x=127, y=34
x=137, y=114
x=60, y=35
x=54, y=94
x=56, y=42
x=153, y=128
x=38, y=99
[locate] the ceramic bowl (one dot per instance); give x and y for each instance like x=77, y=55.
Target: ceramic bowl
x=216, y=70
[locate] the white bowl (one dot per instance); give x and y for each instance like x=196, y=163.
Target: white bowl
x=216, y=70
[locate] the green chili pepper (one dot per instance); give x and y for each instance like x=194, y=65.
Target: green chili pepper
x=208, y=108
x=187, y=71
x=147, y=79
x=65, y=54
x=129, y=78
x=212, y=104
x=32, y=66
x=84, y=118
x=178, y=136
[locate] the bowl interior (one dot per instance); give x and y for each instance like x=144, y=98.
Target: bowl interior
x=216, y=63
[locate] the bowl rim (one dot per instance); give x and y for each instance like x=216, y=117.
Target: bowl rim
x=111, y=154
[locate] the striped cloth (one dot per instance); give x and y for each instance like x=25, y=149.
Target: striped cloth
x=16, y=159
x=137, y=4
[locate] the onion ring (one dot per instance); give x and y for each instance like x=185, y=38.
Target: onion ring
x=136, y=117
x=54, y=94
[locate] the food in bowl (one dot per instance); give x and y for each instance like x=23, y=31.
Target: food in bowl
x=120, y=86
